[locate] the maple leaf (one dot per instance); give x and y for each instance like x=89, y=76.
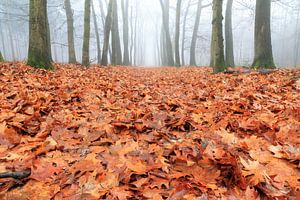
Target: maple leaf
x=256, y=171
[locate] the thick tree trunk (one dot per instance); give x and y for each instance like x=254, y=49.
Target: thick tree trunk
x=169, y=49
x=86, y=34
x=125, y=32
x=38, y=52
x=70, y=27
x=97, y=34
x=228, y=35
x=1, y=57
x=183, y=32
x=177, y=33
x=107, y=29
x=217, y=46
x=195, y=35
x=263, y=46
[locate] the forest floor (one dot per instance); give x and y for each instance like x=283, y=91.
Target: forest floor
x=137, y=133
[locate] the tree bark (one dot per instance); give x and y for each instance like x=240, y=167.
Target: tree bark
x=38, y=51
x=177, y=33
x=70, y=27
x=263, y=46
x=169, y=49
x=86, y=34
x=228, y=35
x=195, y=34
x=125, y=32
x=217, y=46
x=107, y=29
x=97, y=34
x=1, y=57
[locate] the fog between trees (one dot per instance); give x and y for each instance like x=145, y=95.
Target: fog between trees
x=152, y=32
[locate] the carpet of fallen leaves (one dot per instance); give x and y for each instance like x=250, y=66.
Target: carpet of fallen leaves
x=137, y=133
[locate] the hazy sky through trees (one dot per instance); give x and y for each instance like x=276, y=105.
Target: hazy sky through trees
x=14, y=26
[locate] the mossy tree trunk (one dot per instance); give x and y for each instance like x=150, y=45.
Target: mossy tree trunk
x=107, y=29
x=177, y=33
x=116, y=42
x=217, y=45
x=86, y=34
x=97, y=34
x=70, y=27
x=1, y=57
x=263, y=46
x=125, y=7
x=228, y=35
x=39, y=55
x=165, y=7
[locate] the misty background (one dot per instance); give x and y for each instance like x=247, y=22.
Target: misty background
x=145, y=22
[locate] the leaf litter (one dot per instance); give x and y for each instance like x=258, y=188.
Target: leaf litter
x=158, y=133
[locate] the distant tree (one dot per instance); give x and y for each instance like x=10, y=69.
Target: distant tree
x=86, y=34
x=125, y=7
x=97, y=34
x=263, y=46
x=228, y=35
x=38, y=52
x=183, y=32
x=177, y=33
x=195, y=32
x=107, y=29
x=195, y=35
x=217, y=46
x=165, y=7
x=115, y=40
x=70, y=28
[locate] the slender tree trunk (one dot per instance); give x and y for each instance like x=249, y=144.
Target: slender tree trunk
x=107, y=29
x=177, y=33
x=48, y=37
x=116, y=43
x=217, y=46
x=70, y=27
x=38, y=52
x=125, y=32
x=165, y=12
x=228, y=35
x=132, y=36
x=86, y=34
x=10, y=34
x=195, y=35
x=183, y=33
x=97, y=34
x=263, y=46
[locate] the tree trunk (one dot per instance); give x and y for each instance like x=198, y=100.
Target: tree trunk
x=228, y=35
x=86, y=34
x=297, y=40
x=195, y=35
x=263, y=46
x=107, y=29
x=217, y=46
x=48, y=38
x=70, y=27
x=116, y=43
x=177, y=33
x=97, y=34
x=183, y=33
x=1, y=57
x=38, y=52
x=125, y=32
x=165, y=12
